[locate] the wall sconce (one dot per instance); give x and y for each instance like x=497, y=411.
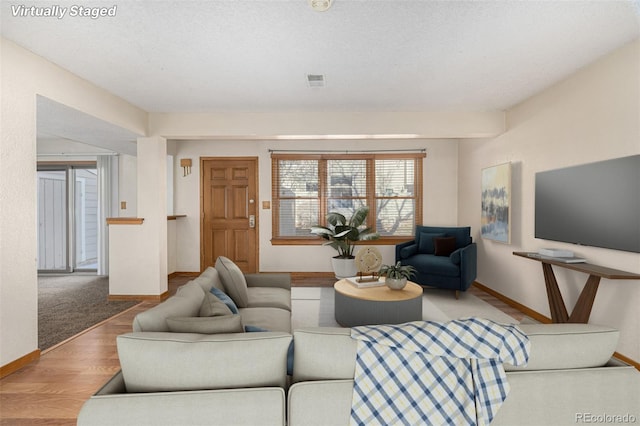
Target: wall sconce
x=185, y=163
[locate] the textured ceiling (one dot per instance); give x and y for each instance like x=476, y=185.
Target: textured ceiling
x=199, y=56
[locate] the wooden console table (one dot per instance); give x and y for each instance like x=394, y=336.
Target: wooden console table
x=582, y=310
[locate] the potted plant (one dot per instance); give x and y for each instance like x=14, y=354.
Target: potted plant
x=397, y=275
x=342, y=235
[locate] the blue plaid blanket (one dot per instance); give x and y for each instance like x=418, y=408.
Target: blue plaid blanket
x=431, y=373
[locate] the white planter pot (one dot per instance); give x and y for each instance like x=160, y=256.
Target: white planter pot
x=344, y=268
x=395, y=283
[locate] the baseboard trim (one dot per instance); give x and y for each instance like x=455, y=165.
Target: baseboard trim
x=16, y=365
x=519, y=306
x=307, y=275
x=541, y=318
x=139, y=297
x=183, y=274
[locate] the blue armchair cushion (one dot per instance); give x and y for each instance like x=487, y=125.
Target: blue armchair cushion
x=444, y=246
x=462, y=234
x=435, y=265
x=406, y=252
x=425, y=242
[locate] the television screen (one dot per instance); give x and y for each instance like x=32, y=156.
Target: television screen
x=596, y=204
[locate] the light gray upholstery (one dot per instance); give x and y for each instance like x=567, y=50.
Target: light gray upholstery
x=323, y=353
x=271, y=319
x=157, y=362
x=186, y=303
x=268, y=303
x=206, y=325
x=269, y=297
x=553, y=390
x=561, y=346
x=233, y=280
x=235, y=407
x=279, y=280
x=558, y=397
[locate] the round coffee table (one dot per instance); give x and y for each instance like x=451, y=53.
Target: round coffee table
x=376, y=305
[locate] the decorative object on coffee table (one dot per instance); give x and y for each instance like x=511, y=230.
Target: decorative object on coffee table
x=368, y=261
x=397, y=275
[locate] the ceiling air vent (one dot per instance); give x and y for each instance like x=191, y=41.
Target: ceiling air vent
x=315, y=80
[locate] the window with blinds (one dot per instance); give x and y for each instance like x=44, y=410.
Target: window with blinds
x=307, y=187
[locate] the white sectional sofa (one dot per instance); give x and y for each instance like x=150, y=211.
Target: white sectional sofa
x=189, y=361
x=570, y=377
x=241, y=379
x=262, y=301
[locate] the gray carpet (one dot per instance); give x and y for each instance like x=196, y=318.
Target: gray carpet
x=70, y=304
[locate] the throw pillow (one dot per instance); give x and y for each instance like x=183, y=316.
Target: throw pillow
x=206, y=325
x=444, y=246
x=213, y=307
x=224, y=299
x=425, y=244
x=233, y=280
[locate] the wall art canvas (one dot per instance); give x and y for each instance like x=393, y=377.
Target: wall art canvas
x=496, y=203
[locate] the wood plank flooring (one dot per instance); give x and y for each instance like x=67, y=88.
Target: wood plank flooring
x=51, y=391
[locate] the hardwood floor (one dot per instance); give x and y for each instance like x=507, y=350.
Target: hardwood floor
x=51, y=391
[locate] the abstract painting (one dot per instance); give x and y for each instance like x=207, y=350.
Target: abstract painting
x=496, y=203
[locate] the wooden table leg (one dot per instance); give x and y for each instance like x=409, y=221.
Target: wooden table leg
x=582, y=310
x=556, y=303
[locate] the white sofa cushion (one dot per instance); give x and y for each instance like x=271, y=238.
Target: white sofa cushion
x=563, y=346
x=206, y=325
x=186, y=303
x=324, y=353
x=158, y=362
x=233, y=280
x=269, y=297
x=272, y=319
x=212, y=306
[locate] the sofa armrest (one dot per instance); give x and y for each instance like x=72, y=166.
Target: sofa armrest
x=411, y=246
x=279, y=280
x=468, y=265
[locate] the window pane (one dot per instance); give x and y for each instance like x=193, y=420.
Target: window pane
x=298, y=178
x=297, y=216
x=395, y=178
x=395, y=216
x=345, y=207
x=346, y=182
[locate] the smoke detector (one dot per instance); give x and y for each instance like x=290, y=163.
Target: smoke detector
x=315, y=80
x=320, y=5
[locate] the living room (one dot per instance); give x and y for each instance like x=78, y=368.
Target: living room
x=591, y=115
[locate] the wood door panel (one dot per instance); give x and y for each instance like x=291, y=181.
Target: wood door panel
x=218, y=210
x=240, y=202
x=229, y=193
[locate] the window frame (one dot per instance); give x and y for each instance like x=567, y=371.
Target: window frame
x=323, y=194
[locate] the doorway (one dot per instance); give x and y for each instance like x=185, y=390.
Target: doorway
x=229, y=220
x=67, y=218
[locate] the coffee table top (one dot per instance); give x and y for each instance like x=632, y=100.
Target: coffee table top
x=380, y=293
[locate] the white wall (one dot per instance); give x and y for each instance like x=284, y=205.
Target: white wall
x=440, y=196
x=127, y=185
x=593, y=115
x=23, y=76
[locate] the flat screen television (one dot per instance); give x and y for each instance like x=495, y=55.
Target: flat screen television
x=595, y=204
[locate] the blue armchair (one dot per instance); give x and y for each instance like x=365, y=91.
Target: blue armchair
x=444, y=257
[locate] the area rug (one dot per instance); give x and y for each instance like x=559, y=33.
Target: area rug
x=70, y=304
x=314, y=307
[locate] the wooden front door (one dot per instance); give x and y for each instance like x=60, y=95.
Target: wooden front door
x=229, y=213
